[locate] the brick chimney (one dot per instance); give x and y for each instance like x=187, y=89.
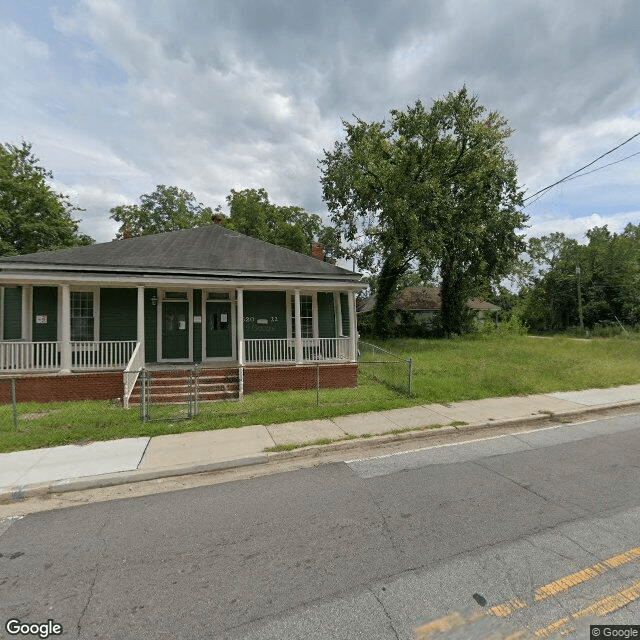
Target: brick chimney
x=217, y=217
x=317, y=251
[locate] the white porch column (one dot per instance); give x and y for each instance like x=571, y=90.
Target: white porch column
x=140, y=320
x=240, y=325
x=337, y=313
x=65, y=330
x=298, y=340
x=352, y=325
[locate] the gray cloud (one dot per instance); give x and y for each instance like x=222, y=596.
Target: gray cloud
x=212, y=95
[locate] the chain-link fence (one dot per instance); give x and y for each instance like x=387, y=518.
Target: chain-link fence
x=386, y=368
x=8, y=417
x=268, y=394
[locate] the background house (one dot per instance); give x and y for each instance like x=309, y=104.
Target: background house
x=417, y=307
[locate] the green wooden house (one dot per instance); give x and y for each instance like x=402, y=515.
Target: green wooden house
x=206, y=296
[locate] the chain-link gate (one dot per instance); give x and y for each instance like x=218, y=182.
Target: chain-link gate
x=168, y=394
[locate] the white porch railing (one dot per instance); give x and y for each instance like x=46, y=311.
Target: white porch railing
x=131, y=373
x=282, y=350
x=45, y=356
x=29, y=356
x=326, y=349
x=106, y=354
x=269, y=350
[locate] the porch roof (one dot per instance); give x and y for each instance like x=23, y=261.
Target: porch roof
x=211, y=251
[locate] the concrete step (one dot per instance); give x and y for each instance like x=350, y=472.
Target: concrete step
x=166, y=387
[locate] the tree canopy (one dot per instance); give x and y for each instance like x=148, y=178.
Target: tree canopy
x=605, y=271
x=251, y=213
x=435, y=187
x=166, y=209
x=33, y=217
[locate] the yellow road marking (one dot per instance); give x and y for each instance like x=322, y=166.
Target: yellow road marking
x=505, y=609
x=601, y=608
x=440, y=625
x=574, y=579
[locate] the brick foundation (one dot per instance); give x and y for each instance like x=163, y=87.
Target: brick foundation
x=61, y=388
x=332, y=376
x=108, y=386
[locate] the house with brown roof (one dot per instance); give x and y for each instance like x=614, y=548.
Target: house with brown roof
x=74, y=323
x=424, y=303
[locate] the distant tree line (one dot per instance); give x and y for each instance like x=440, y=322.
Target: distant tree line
x=567, y=284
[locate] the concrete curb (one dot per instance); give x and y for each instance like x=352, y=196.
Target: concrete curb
x=13, y=494
x=21, y=492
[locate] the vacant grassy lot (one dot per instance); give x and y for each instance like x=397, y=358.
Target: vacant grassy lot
x=444, y=371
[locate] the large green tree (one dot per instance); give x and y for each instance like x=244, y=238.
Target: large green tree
x=435, y=187
x=33, y=217
x=165, y=209
x=251, y=213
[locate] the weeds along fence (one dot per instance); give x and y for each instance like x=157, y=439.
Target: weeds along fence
x=386, y=368
x=183, y=393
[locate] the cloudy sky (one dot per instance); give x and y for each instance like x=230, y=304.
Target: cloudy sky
x=118, y=96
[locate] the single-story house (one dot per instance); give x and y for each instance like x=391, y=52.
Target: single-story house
x=423, y=303
x=74, y=322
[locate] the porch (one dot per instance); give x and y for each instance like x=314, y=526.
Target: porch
x=21, y=357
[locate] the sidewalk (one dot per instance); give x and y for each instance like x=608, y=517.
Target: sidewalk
x=99, y=464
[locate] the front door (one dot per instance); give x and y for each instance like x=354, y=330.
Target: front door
x=218, y=330
x=175, y=330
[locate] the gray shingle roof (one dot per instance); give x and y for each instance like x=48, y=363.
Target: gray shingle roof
x=211, y=249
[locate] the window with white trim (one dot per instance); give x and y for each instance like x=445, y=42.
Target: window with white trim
x=306, y=316
x=82, y=316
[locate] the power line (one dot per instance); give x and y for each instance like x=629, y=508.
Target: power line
x=533, y=195
x=604, y=166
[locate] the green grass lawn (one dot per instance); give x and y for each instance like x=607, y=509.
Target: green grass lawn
x=443, y=371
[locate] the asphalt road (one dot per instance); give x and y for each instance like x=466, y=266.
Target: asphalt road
x=537, y=532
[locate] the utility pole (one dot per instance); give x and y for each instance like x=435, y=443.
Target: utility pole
x=580, y=300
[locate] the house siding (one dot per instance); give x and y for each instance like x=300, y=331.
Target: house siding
x=326, y=316
x=265, y=305
x=45, y=303
x=12, y=313
x=118, y=314
x=197, y=327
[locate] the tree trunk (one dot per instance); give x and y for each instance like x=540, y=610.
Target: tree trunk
x=389, y=275
x=454, y=313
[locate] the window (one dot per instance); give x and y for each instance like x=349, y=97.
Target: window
x=306, y=316
x=82, y=321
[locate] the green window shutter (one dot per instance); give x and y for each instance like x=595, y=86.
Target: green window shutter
x=12, y=311
x=344, y=310
x=265, y=314
x=326, y=316
x=118, y=314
